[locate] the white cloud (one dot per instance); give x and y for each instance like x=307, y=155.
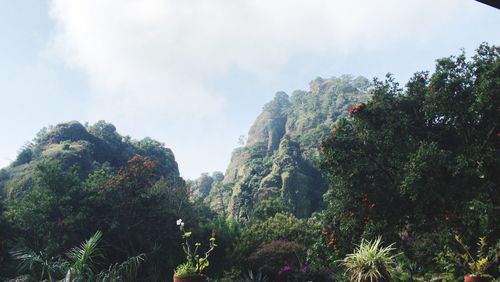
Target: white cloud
x=160, y=58
x=151, y=54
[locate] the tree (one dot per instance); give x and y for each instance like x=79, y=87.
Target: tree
x=79, y=180
x=56, y=200
x=138, y=211
x=419, y=163
x=133, y=206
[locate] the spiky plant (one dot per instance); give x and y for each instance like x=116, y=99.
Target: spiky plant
x=251, y=277
x=82, y=264
x=124, y=272
x=370, y=262
x=83, y=259
x=39, y=264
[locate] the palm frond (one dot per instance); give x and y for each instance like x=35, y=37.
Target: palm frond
x=83, y=259
x=123, y=272
x=38, y=264
x=28, y=259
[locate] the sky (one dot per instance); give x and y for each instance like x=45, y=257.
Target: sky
x=194, y=74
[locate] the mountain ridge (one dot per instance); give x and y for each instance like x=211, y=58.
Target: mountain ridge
x=277, y=169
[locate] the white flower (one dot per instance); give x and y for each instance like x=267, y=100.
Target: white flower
x=179, y=222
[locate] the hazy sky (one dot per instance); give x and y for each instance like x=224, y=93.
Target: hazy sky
x=194, y=74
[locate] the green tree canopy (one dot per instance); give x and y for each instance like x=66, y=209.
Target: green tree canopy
x=419, y=163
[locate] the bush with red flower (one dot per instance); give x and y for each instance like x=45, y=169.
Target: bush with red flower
x=357, y=108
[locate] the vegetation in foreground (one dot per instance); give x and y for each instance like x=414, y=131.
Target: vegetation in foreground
x=402, y=171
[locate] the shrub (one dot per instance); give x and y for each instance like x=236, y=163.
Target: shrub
x=370, y=262
x=280, y=227
x=185, y=269
x=277, y=257
x=477, y=264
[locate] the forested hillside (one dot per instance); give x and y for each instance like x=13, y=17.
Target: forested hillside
x=74, y=180
x=349, y=181
x=86, y=149
x=278, y=168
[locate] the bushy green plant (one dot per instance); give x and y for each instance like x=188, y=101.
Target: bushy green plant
x=445, y=264
x=280, y=227
x=405, y=269
x=195, y=263
x=272, y=257
x=185, y=269
x=228, y=238
x=370, y=262
x=82, y=264
x=477, y=264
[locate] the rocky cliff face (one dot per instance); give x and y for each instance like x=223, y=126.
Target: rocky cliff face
x=270, y=125
x=277, y=170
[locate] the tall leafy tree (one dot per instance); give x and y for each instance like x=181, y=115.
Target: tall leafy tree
x=51, y=216
x=136, y=208
x=419, y=163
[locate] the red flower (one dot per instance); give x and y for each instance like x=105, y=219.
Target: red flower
x=357, y=108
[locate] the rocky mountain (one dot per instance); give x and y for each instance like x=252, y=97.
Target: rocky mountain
x=84, y=148
x=277, y=170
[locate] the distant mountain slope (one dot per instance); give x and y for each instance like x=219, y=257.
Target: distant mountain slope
x=277, y=169
x=83, y=148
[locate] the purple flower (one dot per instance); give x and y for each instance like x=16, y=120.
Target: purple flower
x=286, y=269
x=305, y=268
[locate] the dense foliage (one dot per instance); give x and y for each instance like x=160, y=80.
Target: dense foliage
x=69, y=189
x=420, y=164
x=323, y=174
